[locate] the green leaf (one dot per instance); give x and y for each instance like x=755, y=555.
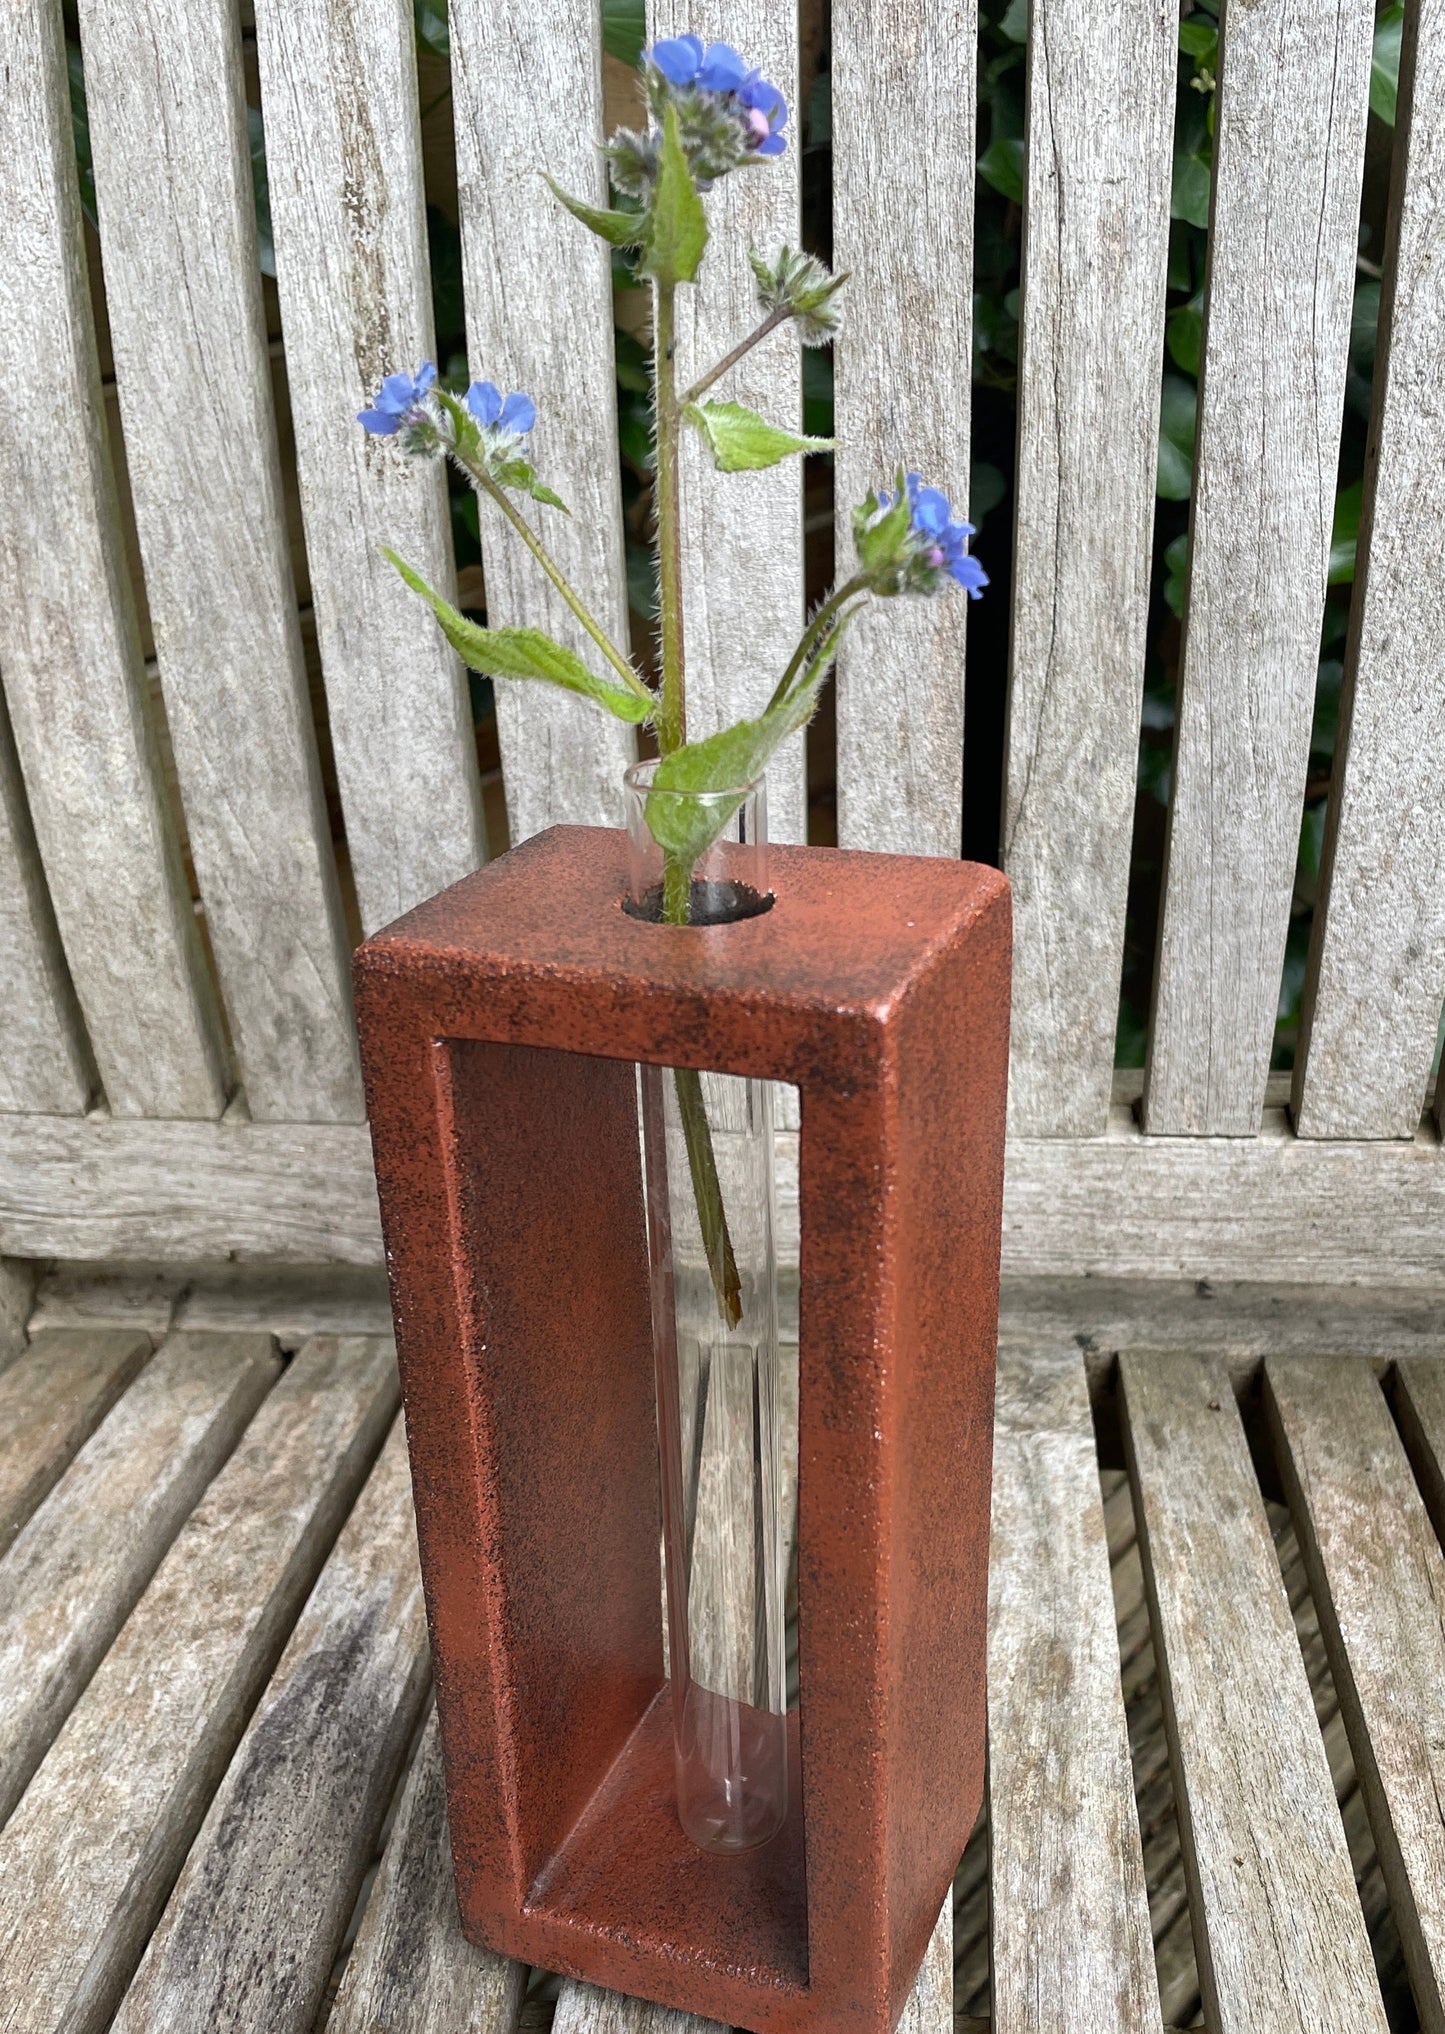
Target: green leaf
x=742, y=442
x=1178, y=400
x=738, y=755
x=431, y=27
x=676, y=223
x=1185, y=334
x=1014, y=23
x=524, y=653
x=1176, y=568
x=624, y=30
x=1002, y=165
x=1200, y=40
x=618, y=229
x=877, y=543
x=1344, y=538
x=1385, y=64
x=1190, y=196
x=517, y=473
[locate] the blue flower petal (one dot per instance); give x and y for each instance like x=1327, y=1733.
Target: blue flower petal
x=722, y=69
x=969, y=574
x=774, y=145
x=679, y=59
x=398, y=392
x=484, y=400
x=931, y=512
x=380, y=423
x=519, y=413
x=426, y=374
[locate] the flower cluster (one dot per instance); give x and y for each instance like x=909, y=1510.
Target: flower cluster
x=509, y=417
x=911, y=542
x=401, y=403
x=727, y=113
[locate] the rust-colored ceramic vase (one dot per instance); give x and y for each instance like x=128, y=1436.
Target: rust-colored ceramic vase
x=501, y=1023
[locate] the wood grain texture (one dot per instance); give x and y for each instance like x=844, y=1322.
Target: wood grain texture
x=527, y=93
x=1420, y=1410
x=178, y=236
x=343, y=154
x=1279, y=1934
x=17, y=1294
x=280, y=1856
x=52, y=1399
x=45, y=1061
x=584, y=2009
x=1289, y=150
x=1376, y=979
x=1071, y=1940
x=903, y=141
x=1096, y=243
x=928, y=2008
x=412, y=1970
x=73, y=1574
x=743, y=532
x=68, y=643
x=1378, y=1580
x=88, y=1858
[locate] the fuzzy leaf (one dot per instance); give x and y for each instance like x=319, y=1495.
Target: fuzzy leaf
x=743, y=442
x=618, y=229
x=877, y=544
x=517, y=473
x=675, y=221
x=523, y=653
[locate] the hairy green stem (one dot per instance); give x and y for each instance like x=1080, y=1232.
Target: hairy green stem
x=554, y=572
x=729, y=360
x=814, y=633
x=712, y=1218
x=671, y=719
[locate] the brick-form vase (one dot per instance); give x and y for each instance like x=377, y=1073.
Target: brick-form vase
x=499, y=1026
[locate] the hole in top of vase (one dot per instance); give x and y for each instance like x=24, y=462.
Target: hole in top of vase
x=712, y=902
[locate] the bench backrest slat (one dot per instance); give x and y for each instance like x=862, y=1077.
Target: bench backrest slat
x=903, y=148
x=1101, y=90
x=743, y=532
x=69, y=647
x=1379, y=960
x=527, y=92
x=1292, y=105
x=343, y=156
x=183, y=289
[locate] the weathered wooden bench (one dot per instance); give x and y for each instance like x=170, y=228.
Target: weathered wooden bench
x=1217, y=1749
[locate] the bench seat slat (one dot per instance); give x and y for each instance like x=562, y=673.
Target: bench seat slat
x=1096, y=245
x=91, y=1853
x=1378, y=1578
x=743, y=532
x=344, y=168
x=1289, y=151
x=72, y=1576
x=250, y=1933
x=412, y=1970
x=527, y=92
x=1071, y=1940
x=183, y=287
x=52, y=1398
x=69, y=648
x=44, y=1057
x=903, y=123
x=1372, y=1010
x=1279, y=1933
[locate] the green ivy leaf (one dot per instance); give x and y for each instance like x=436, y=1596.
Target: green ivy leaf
x=1002, y=165
x=1199, y=39
x=1176, y=569
x=676, y=224
x=1014, y=22
x=431, y=27
x=1190, y=196
x=1345, y=536
x=1178, y=400
x=1184, y=334
x=1385, y=63
x=523, y=653
x=743, y=442
x=624, y=30
x=618, y=229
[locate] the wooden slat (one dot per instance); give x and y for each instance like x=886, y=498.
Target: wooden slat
x=527, y=96
x=583, y=2009
x=1279, y=1934
x=1100, y=126
x=44, y=1058
x=1377, y=965
x=1420, y=1406
x=1071, y=1940
x=903, y=143
x=929, y=2006
x=343, y=157
x=17, y=1294
x=1378, y=1580
x=72, y=1576
x=52, y=1399
x=412, y=1970
x=743, y=532
x=91, y=1853
x=281, y=1853
x=1294, y=83
x=68, y=642
x=178, y=236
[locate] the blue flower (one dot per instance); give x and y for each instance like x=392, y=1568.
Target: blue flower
x=517, y=413
x=685, y=62
x=940, y=543
x=400, y=399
